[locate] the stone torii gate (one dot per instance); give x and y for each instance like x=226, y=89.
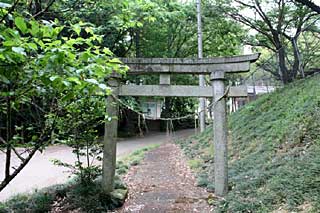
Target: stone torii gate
x=215, y=67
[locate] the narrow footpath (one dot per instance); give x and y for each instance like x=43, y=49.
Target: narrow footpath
x=164, y=183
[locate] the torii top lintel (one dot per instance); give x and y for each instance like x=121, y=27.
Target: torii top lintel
x=233, y=64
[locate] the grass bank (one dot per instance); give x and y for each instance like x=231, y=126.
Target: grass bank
x=274, y=158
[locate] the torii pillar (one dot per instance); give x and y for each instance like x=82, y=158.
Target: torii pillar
x=220, y=134
x=110, y=136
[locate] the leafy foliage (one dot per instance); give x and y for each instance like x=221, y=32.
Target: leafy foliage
x=51, y=81
x=278, y=27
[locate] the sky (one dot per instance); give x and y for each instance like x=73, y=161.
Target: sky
x=317, y=2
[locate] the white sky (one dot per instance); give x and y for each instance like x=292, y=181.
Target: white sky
x=317, y=2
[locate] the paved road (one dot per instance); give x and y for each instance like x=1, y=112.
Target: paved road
x=40, y=172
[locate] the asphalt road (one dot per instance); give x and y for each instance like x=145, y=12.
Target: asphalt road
x=40, y=171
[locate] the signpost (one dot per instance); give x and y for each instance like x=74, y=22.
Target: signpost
x=216, y=68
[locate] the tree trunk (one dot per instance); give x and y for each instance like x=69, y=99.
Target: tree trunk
x=285, y=75
x=286, y=78
x=8, y=147
x=8, y=179
x=44, y=138
x=137, y=42
x=297, y=65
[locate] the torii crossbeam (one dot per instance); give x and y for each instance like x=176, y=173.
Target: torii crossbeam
x=215, y=67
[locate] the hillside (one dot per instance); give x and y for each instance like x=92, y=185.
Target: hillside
x=274, y=163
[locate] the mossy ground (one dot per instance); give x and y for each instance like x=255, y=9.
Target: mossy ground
x=274, y=158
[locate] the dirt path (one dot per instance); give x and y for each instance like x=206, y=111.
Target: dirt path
x=163, y=183
x=40, y=171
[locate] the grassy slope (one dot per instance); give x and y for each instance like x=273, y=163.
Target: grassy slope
x=274, y=154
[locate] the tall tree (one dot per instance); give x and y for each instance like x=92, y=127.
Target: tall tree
x=277, y=24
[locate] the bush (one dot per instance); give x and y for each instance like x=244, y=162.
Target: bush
x=39, y=201
x=92, y=198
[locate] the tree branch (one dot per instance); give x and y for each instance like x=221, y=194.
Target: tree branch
x=44, y=10
x=263, y=15
x=259, y=45
x=17, y=154
x=249, y=23
x=10, y=10
x=9, y=178
x=310, y=4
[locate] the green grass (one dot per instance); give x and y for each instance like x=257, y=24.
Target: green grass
x=274, y=157
x=89, y=198
x=133, y=159
x=39, y=201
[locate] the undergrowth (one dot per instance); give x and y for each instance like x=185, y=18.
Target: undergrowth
x=76, y=196
x=274, y=160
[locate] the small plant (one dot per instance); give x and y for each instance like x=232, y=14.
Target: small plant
x=195, y=163
x=83, y=118
x=87, y=154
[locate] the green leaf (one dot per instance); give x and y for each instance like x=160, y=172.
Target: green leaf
x=21, y=24
x=52, y=78
x=107, y=51
x=4, y=79
x=68, y=97
x=84, y=56
x=34, y=28
x=66, y=83
x=77, y=29
x=93, y=81
x=19, y=50
x=32, y=46
x=9, y=43
x=89, y=30
x=4, y=5
x=74, y=79
x=115, y=60
x=103, y=86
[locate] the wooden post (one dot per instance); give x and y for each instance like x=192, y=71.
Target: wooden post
x=110, y=138
x=220, y=134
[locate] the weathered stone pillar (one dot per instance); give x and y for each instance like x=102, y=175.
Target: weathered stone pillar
x=110, y=137
x=220, y=134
